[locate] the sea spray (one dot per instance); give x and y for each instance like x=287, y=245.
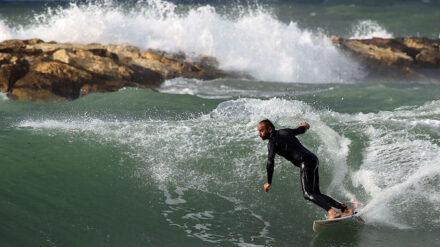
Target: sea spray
x=400, y=163
x=254, y=41
x=206, y=157
x=3, y=97
x=367, y=29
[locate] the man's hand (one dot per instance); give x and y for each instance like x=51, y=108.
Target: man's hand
x=305, y=124
x=266, y=187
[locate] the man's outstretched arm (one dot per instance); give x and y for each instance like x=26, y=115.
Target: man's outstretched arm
x=303, y=127
x=270, y=165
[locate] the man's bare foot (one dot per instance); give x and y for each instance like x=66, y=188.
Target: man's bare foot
x=332, y=214
x=347, y=212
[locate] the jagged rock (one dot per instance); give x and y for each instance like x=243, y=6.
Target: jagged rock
x=174, y=65
x=105, y=66
x=36, y=95
x=20, y=47
x=11, y=69
x=428, y=58
x=110, y=86
x=207, y=61
x=156, y=66
x=400, y=57
x=145, y=78
x=124, y=50
x=421, y=43
x=62, y=71
x=49, y=71
x=42, y=87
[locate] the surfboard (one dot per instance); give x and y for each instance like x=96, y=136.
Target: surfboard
x=322, y=225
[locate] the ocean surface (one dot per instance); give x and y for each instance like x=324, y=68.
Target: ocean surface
x=185, y=166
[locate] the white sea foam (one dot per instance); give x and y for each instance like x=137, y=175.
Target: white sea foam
x=400, y=164
x=367, y=29
x=231, y=124
x=5, y=31
x=226, y=89
x=255, y=41
x=3, y=97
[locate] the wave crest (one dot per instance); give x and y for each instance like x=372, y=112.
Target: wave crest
x=253, y=40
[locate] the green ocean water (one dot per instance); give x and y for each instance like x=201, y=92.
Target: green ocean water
x=139, y=168
x=186, y=167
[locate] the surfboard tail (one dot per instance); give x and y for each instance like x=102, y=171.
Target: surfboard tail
x=355, y=204
x=360, y=219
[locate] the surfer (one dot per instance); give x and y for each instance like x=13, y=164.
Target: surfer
x=285, y=143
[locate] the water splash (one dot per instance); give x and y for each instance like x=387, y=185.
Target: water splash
x=254, y=40
x=368, y=29
x=401, y=165
x=399, y=168
x=3, y=97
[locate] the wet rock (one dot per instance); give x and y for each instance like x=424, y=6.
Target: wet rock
x=36, y=95
x=428, y=58
x=410, y=57
x=109, y=86
x=175, y=65
x=11, y=69
x=41, y=87
x=48, y=71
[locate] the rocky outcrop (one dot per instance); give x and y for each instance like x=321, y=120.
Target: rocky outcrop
x=48, y=71
x=410, y=57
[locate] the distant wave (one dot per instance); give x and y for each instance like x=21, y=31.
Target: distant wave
x=368, y=29
x=254, y=41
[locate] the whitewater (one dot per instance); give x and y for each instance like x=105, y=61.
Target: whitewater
x=288, y=54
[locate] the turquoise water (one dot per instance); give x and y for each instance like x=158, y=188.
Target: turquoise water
x=185, y=166
x=139, y=168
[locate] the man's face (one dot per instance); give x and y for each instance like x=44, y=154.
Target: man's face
x=264, y=131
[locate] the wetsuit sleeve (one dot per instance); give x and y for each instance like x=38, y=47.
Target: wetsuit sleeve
x=299, y=130
x=270, y=161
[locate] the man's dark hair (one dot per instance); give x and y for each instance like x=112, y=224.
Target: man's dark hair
x=268, y=123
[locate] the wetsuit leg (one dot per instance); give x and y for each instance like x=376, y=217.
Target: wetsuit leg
x=310, y=185
x=327, y=198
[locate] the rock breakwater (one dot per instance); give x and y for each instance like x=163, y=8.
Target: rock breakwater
x=41, y=71
x=414, y=58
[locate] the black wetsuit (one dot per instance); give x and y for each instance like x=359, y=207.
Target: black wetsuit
x=285, y=143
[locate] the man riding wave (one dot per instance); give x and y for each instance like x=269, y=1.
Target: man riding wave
x=284, y=142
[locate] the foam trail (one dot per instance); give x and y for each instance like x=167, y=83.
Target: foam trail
x=400, y=164
x=399, y=167
x=194, y=138
x=255, y=41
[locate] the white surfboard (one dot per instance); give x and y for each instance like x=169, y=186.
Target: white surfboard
x=321, y=225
